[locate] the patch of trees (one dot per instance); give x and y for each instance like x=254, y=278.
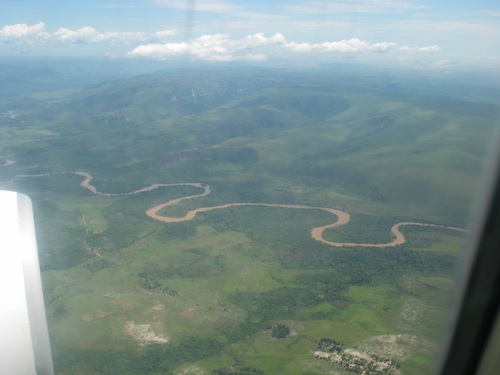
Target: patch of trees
x=56, y=313
x=124, y=225
x=58, y=240
x=281, y=229
x=363, y=266
x=331, y=279
x=280, y=331
x=330, y=345
x=275, y=304
x=336, y=297
x=98, y=264
x=172, y=231
x=151, y=359
x=329, y=285
x=68, y=257
x=154, y=285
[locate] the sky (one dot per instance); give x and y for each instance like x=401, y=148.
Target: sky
x=423, y=34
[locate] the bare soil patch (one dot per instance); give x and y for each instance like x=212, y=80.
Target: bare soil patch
x=189, y=313
x=142, y=333
x=87, y=317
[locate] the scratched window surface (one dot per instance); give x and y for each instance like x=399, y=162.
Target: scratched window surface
x=222, y=187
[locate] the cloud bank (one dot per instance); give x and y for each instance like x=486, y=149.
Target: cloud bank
x=208, y=47
x=25, y=34
x=257, y=47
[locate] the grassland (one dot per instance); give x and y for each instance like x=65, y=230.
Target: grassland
x=213, y=286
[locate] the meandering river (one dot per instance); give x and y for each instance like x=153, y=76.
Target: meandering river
x=316, y=233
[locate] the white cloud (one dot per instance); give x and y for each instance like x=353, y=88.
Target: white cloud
x=84, y=34
x=87, y=35
x=258, y=40
x=216, y=47
x=119, y=37
x=434, y=48
x=21, y=32
x=219, y=47
x=343, y=46
x=24, y=34
x=164, y=34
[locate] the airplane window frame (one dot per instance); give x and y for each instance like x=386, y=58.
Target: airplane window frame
x=474, y=333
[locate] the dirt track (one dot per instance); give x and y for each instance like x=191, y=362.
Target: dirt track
x=316, y=233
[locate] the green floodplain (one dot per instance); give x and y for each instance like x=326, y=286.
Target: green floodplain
x=246, y=289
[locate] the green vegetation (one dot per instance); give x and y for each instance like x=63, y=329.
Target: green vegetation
x=238, y=371
x=280, y=331
x=98, y=265
x=153, y=360
x=159, y=298
x=154, y=285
